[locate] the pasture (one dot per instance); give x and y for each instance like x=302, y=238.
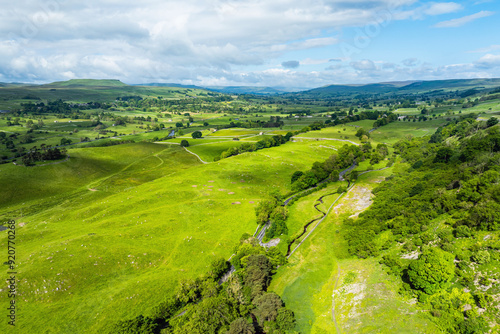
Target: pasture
x=118, y=227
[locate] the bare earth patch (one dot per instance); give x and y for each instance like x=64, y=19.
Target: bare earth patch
x=410, y=256
x=236, y=203
x=231, y=193
x=92, y=189
x=357, y=200
x=194, y=186
x=251, y=202
x=211, y=181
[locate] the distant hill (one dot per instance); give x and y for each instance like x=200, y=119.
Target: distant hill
x=156, y=84
x=404, y=87
x=457, y=84
x=256, y=90
x=75, y=83
x=349, y=89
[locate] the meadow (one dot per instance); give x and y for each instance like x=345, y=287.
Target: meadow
x=118, y=228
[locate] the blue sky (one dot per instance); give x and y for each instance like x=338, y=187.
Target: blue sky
x=288, y=43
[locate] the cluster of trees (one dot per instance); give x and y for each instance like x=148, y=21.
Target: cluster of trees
x=35, y=155
x=437, y=206
x=271, y=210
x=250, y=147
x=328, y=169
x=208, y=304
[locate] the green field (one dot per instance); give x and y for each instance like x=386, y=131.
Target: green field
x=89, y=251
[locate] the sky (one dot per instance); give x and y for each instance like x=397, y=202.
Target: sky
x=277, y=43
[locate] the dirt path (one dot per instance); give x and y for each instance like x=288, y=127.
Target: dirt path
x=204, y=162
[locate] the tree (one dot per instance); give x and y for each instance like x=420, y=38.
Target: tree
x=179, y=125
x=184, y=143
x=65, y=141
x=241, y=326
x=492, y=121
x=443, y=155
x=362, y=132
x=296, y=175
x=268, y=305
x=196, y=134
x=334, y=175
x=432, y=271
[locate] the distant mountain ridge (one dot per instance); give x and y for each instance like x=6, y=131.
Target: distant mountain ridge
x=416, y=86
x=396, y=87
x=73, y=83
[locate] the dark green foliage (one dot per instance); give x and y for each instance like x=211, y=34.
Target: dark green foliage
x=362, y=132
x=241, y=326
x=167, y=309
x=139, y=325
x=40, y=155
x=285, y=319
x=250, y=147
x=394, y=262
x=320, y=171
x=481, y=257
x=362, y=243
x=184, y=143
x=443, y=154
x=296, y=175
x=432, y=271
x=258, y=273
x=264, y=209
x=278, y=225
x=196, y=134
x=218, y=268
x=267, y=305
x=491, y=122
x=462, y=231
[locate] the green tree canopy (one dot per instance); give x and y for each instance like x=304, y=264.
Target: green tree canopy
x=433, y=269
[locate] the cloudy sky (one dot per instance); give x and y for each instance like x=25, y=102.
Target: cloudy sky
x=293, y=43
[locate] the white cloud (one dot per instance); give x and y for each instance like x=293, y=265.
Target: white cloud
x=439, y=8
x=489, y=60
x=463, y=20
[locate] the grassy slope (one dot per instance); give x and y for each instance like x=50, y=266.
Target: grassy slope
x=366, y=299
x=90, y=257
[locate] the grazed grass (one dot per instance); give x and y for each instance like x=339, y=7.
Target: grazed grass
x=122, y=225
